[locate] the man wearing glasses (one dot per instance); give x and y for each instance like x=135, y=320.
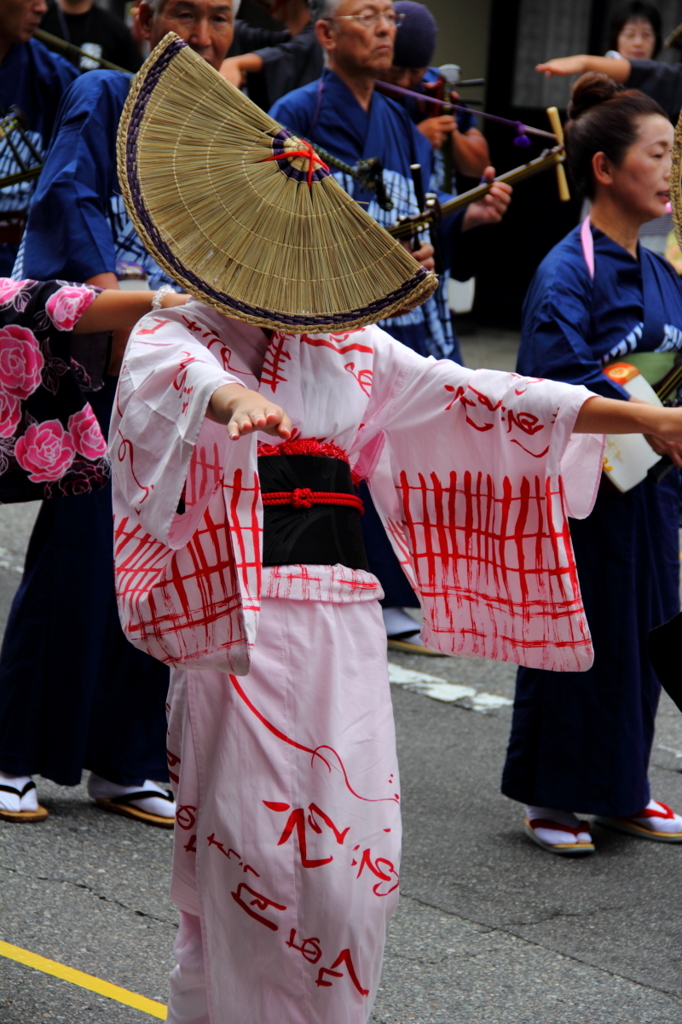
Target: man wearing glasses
x=342, y=113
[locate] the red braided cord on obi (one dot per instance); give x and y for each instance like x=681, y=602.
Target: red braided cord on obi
x=303, y=497
x=304, y=446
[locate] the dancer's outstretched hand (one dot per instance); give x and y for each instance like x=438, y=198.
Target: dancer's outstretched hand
x=242, y=411
x=661, y=427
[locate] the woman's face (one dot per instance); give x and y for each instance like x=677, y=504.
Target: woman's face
x=636, y=40
x=641, y=185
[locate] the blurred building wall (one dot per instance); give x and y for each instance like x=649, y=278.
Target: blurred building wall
x=463, y=34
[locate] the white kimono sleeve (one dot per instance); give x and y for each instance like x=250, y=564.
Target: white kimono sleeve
x=474, y=482
x=185, y=504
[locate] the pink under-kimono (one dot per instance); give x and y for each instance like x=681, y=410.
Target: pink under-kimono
x=281, y=742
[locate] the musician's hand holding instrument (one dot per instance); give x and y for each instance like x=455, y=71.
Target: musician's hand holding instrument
x=437, y=129
x=424, y=254
x=491, y=208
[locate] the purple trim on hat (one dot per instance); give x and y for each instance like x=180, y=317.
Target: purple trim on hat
x=279, y=149
x=302, y=320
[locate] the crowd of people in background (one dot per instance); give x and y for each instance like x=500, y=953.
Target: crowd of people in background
x=75, y=694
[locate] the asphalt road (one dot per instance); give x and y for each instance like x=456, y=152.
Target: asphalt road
x=489, y=928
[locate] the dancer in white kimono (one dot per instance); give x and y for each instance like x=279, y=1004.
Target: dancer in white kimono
x=240, y=562
x=281, y=742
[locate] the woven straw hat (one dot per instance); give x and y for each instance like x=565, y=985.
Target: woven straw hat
x=243, y=214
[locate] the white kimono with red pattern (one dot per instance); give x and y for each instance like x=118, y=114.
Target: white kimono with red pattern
x=281, y=741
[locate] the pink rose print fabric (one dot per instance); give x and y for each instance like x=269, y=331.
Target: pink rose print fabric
x=86, y=434
x=21, y=361
x=45, y=451
x=10, y=414
x=66, y=307
x=51, y=444
x=10, y=289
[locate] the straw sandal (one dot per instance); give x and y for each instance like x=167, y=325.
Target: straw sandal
x=563, y=849
x=19, y=816
x=123, y=805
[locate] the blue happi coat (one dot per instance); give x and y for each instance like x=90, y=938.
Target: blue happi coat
x=327, y=113
x=581, y=742
x=110, y=713
x=33, y=79
x=78, y=225
x=420, y=110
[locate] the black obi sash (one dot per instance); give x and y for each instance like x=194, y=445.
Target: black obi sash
x=311, y=512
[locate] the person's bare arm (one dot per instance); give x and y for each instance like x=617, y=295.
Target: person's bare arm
x=109, y=281
x=470, y=152
x=242, y=411
x=617, y=68
x=114, y=310
x=106, y=280
x=235, y=69
x=661, y=427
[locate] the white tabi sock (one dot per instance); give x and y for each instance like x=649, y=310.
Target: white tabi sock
x=12, y=801
x=663, y=819
x=555, y=835
x=102, y=789
x=397, y=621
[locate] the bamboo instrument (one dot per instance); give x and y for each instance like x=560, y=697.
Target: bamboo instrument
x=406, y=227
x=69, y=48
x=557, y=128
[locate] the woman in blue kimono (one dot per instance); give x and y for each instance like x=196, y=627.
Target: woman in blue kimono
x=581, y=742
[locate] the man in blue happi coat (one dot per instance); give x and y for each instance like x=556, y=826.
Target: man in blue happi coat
x=74, y=693
x=342, y=113
x=34, y=80
x=78, y=227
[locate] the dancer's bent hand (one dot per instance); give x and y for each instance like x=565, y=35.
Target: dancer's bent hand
x=242, y=411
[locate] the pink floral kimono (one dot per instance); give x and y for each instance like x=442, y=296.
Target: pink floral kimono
x=281, y=742
x=51, y=444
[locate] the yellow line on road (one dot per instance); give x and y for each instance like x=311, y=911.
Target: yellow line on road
x=103, y=988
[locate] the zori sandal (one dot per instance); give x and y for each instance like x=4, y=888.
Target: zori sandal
x=125, y=805
x=556, y=837
x=37, y=814
x=657, y=821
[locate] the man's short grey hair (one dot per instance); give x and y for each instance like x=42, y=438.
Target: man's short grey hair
x=158, y=5
x=323, y=9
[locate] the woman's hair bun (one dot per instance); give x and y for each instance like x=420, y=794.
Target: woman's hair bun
x=590, y=90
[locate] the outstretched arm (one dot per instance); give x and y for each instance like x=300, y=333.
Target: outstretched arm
x=661, y=427
x=617, y=68
x=115, y=310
